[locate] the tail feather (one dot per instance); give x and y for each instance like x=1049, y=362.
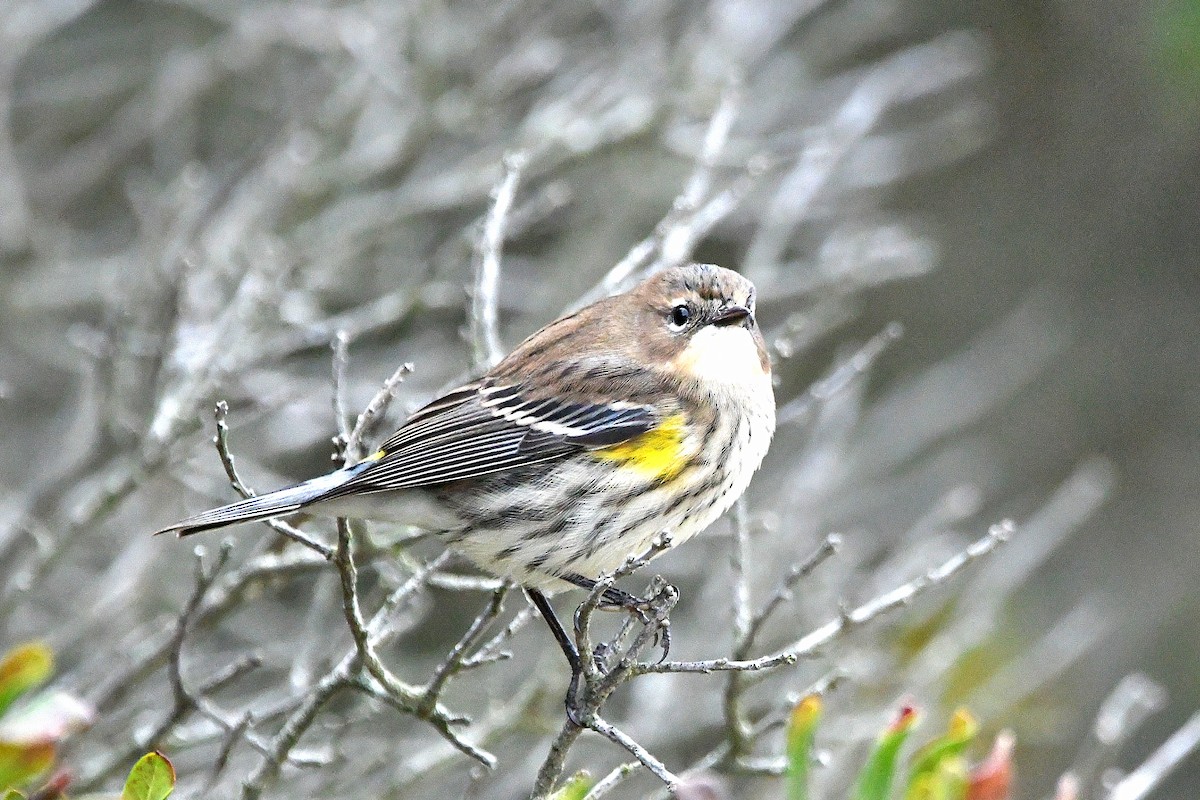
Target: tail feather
x=263, y=506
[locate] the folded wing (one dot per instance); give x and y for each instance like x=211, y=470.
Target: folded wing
x=484, y=429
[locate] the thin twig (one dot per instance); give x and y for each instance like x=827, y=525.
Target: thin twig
x=346, y=674
x=841, y=376
x=485, y=333
x=851, y=618
x=228, y=742
x=783, y=592
x=374, y=412
x=352, y=609
x=453, y=661
x=341, y=363
x=221, y=440
x=1161, y=763
x=183, y=701
x=224, y=595
x=611, y=781
x=367, y=638
x=617, y=736
x=490, y=650
x=596, y=684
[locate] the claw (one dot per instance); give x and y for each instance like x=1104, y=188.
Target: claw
x=663, y=639
x=574, y=713
x=600, y=656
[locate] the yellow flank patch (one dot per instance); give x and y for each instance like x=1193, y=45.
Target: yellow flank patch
x=378, y=454
x=658, y=453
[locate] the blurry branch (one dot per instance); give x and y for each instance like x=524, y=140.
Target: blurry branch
x=375, y=314
x=368, y=635
x=224, y=595
x=859, y=362
x=1161, y=763
x=341, y=358
x=184, y=700
x=1121, y=714
x=1133, y=700
x=485, y=333
x=908, y=74
x=693, y=213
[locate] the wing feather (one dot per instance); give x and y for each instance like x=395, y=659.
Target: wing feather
x=482, y=429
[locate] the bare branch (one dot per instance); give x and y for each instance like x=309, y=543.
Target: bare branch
x=851, y=618
x=221, y=440
x=1161, y=763
x=184, y=701
x=783, y=593
x=341, y=362
x=490, y=650
x=453, y=661
x=693, y=212
x=856, y=365
x=352, y=609
x=616, y=735
x=611, y=781
x=485, y=332
x=374, y=412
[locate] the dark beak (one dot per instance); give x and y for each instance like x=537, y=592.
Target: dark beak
x=731, y=315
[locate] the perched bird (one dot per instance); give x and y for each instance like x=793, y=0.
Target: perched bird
x=641, y=413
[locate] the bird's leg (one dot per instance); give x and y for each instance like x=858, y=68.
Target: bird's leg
x=613, y=598
x=569, y=650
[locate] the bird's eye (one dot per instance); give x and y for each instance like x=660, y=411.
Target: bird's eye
x=680, y=316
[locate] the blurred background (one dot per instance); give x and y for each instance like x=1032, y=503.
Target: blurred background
x=195, y=196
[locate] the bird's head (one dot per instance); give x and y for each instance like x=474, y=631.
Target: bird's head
x=699, y=321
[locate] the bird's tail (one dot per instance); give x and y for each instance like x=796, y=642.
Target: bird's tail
x=264, y=506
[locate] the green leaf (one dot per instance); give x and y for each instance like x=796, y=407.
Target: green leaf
x=152, y=778
x=23, y=668
x=13, y=794
x=575, y=788
x=942, y=756
x=875, y=780
x=948, y=781
x=20, y=763
x=802, y=728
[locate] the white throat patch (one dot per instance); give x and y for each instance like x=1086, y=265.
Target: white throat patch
x=722, y=355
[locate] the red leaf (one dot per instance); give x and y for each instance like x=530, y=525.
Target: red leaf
x=993, y=779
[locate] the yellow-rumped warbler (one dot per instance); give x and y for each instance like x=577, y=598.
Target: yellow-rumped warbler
x=641, y=413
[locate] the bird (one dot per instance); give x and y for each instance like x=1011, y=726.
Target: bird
x=645, y=412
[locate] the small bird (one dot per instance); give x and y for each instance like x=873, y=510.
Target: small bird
x=643, y=413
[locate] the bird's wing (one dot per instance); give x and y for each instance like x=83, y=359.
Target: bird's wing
x=483, y=429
